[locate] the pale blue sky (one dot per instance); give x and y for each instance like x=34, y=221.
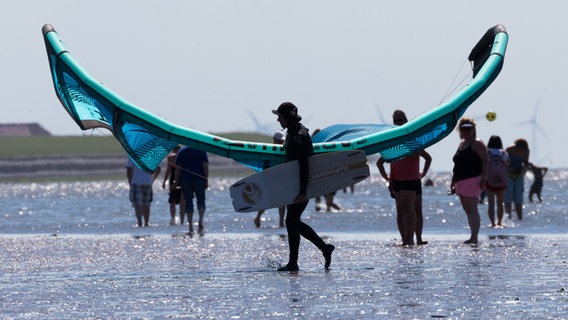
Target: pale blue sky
x=208, y=64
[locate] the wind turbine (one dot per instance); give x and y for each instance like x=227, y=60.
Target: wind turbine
x=535, y=128
x=380, y=114
x=272, y=127
x=263, y=128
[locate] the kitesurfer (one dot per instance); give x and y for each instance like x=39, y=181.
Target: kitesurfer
x=298, y=146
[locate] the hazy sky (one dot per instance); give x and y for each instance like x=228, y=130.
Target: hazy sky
x=209, y=64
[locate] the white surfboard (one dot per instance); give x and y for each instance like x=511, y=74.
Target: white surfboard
x=279, y=185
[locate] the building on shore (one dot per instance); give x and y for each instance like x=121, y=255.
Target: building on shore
x=22, y=130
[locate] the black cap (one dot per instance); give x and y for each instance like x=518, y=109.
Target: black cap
x=288, y=110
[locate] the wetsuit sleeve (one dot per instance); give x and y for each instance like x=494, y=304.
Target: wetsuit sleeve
x=303, y=156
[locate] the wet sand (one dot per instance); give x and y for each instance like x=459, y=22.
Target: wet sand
x=224, y=276
x=70, y=251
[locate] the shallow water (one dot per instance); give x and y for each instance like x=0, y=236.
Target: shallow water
x=70, y=251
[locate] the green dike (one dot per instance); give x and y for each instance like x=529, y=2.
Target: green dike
x=61, y=146
x=58, y=146
x=24, y=148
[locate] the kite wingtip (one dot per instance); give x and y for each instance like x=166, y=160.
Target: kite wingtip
x=47, y=28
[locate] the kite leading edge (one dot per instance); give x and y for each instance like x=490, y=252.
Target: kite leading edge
x=148, y=138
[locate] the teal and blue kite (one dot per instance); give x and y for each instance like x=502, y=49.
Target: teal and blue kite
x=148, y=138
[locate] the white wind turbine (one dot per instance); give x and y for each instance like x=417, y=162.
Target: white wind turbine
x=380, y=114
x=535, y=128
x=265, y=128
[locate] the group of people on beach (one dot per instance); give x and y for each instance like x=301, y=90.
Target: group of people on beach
x=478, y=169
x=498, y=173
x=188, y=176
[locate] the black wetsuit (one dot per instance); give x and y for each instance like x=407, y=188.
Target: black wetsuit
x=298, y=146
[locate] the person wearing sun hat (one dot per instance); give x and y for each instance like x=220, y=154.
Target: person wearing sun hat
x=298, y=146
x=469, y=172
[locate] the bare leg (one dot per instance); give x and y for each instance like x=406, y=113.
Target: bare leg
x=281, y=212
x=257, y=219
x=419, y=220
x=190, y=221
x=519, y=210
x=181, y=210
x=405, y=201
x=139, y=212
x=508, y=209
x=399, y=223
x=201, y=212
x=469, y=205
x=500, y=194
x=329, y=202
x=491, y=207
x=146, y=212
x=172, y=213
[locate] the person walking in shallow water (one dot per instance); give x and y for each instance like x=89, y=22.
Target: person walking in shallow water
x=518, y=163
x=140, y=191
x=469, y=173
x=496, y=179
x=192, y=175
x=298, y=146
x=174, y=196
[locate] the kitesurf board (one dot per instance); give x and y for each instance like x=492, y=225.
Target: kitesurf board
x=279, y=185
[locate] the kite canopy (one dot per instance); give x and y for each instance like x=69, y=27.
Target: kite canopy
x=148, y=138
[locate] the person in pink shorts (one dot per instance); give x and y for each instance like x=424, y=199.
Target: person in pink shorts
x=469, y=174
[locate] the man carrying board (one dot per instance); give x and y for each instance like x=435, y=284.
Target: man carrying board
x=298, y=146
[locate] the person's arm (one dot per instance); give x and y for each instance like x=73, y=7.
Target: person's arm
x=129, y=173
x=304, y=174
x=168, y=172
x=156, y=173
x=481, y=151
x=178, y=172
x=381, y=167
x=206, y=173
x=303, y=161
x=427, y=162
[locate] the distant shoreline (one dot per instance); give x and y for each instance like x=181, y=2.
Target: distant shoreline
x=83, y=167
